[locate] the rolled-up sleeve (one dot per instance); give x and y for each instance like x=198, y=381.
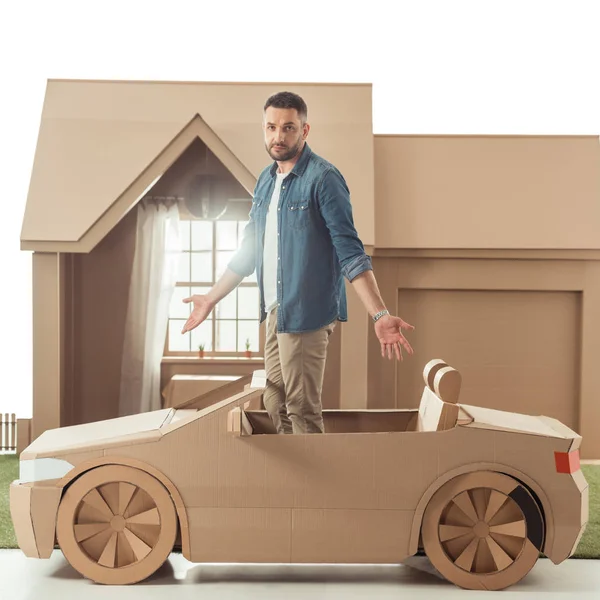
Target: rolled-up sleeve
x=243, y=261
x=334, y=202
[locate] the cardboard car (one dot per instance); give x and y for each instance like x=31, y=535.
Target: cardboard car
x=483, y=492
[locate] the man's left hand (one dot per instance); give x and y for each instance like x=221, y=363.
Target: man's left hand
x=389, y=333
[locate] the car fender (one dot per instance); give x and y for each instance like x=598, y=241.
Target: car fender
x=415, y=533
x=88, y=465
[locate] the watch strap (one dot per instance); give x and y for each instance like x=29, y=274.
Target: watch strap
x=380, y=314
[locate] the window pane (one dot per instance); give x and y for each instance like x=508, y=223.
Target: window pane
x=226, y=308
x=226, y=235
x=200, y=290
x=223, y=259
x=184, y=234
x=202, y=235
x=202, y=267
x=225, y=336
x=202, y=335
x=177, y=341
x=177, y=307
x=183, y=274
x=248, y=303
x=248, y=330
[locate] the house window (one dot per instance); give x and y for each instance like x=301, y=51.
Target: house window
x=207, y=247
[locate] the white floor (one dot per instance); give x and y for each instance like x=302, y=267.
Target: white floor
x=24, y=578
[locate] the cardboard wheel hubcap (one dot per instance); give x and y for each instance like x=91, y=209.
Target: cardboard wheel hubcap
x=116, y=524
x=483, y=531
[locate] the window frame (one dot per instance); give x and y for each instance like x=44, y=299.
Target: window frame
x=214, y=354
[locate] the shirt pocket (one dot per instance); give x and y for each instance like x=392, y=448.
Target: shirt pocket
x=298, y=214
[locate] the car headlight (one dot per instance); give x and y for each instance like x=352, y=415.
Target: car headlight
x=42, y=469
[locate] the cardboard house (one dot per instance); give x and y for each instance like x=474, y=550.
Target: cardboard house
x=488, y=244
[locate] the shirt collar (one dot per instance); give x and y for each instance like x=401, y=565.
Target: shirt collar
x=300, y=165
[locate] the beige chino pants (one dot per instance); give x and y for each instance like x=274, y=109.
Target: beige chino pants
x=295, y=365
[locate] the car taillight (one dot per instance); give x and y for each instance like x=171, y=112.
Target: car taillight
x=567, y=462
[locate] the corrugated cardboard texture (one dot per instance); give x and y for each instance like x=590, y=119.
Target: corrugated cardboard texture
x=338, y=472
x=23, y=434
x=216, y=395
x=466, y=191
x=510, y=359
x=489, y=418
x=96, y=138
x=366, y=536
x=47, y=327
x=434, y=414
x=144, y=425
x=346, y=421
x=44, y=504
x=182, y=388
x=488, y=315
x=20, y=502
x=33, y=512
x=99, y=293
x=342, y=497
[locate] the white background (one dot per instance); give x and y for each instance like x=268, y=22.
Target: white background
x=480, y=66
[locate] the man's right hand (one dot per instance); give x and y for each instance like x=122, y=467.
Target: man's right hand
x=202, y=308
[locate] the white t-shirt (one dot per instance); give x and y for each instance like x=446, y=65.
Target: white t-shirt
x=270, y=255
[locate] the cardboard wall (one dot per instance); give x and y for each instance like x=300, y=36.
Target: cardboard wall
x=521, y=332
x=474, y=191
x=197, y=159
x=101, y=292
x=48, y=351
x=509, y=357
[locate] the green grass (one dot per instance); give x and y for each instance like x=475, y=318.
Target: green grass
x=589, y=546
x=9, y=471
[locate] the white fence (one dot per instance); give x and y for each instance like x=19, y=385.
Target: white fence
x=8, y=432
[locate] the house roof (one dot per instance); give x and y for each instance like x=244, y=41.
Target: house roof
x=102, y=144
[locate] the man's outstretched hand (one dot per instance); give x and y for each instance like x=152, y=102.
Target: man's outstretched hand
x=201, y=310
x=389, y=333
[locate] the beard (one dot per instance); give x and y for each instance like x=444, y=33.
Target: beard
x=284, y=154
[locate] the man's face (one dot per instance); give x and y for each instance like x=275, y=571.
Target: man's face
x=284, y=133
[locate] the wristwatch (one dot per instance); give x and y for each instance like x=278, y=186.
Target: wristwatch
x=380, y=314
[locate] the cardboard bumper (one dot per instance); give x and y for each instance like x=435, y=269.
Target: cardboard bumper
x=33, y=511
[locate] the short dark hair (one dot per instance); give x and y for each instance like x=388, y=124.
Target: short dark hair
x=288, y=100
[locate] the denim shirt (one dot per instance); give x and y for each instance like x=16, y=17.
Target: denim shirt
x=317, y=244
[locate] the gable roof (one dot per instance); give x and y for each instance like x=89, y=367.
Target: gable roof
x=103, y=144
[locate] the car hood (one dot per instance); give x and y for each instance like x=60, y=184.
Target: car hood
x=144, y=427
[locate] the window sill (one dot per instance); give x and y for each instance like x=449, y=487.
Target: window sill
x=220, y=360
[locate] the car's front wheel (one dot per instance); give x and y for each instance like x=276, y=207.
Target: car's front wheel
x=116, y=524
x=483, y=530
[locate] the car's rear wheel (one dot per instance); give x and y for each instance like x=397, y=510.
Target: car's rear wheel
x=116, y=524
x=483, y=530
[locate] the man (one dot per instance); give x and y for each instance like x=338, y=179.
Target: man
x=302, y=242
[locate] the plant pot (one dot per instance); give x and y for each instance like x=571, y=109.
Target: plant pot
x=248, y=354
x=200, y=353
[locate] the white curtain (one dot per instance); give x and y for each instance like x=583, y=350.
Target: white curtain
x=155, y=264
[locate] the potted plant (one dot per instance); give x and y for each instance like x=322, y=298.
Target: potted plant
x=248, y=352
x=201, y=351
